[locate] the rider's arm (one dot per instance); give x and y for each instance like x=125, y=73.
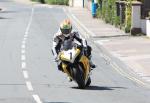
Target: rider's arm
x=79, y=38
x=55, y=44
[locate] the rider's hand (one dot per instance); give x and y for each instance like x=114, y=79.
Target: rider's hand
x=85, y=50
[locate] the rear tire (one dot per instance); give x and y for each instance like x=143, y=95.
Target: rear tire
x=78, y=76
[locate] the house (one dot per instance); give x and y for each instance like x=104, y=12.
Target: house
x=140, y=20
x=76, y=3
x=141, y=17
x=81, y=3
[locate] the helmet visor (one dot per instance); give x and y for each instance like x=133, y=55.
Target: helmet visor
x=66, y=31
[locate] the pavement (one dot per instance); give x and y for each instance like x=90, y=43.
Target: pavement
x=23, y=1
x=132, y=51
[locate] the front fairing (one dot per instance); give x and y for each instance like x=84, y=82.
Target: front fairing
x=69, y=55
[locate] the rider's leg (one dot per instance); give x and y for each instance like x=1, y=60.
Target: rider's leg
x=89, y=55
x=59, y=65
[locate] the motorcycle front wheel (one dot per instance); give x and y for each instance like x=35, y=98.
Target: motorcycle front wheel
x=88, y=82
x=78, y=76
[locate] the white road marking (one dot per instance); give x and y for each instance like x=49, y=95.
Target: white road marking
x=30, y=21
x=24, y=39
x=26, y=35
x=116, y=54
x=23, y=46
x=140, y=74
x=25, y=74
x=90, y=32
x=115, y=66
x=23, y=51
x=23, y=42
x=101, y=42
x=104, y=40
x=29, y=85
x=77, y=24
x=23, y=65
x=23, y=57
x=36, y=98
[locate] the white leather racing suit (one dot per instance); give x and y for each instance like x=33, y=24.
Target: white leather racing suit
x=75, y=37
x=59, y=38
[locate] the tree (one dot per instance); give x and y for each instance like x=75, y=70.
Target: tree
x=42, y=1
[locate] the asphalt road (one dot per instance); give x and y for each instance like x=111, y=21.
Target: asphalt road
x=28, y=73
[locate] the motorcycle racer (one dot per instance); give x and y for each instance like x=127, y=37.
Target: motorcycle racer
x=65, y=32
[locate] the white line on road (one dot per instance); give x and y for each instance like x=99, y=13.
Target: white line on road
x=79, y=23
x=23, y=46
x=23, y=65
x=37, y=98
x=23, y=51
x=101, y=42
x=23, y=57
x=24, y=39
x=140, y=74
x=30, y=21
x=29, y=85
x=23, y=42
x=26, y=35
x=25, y=74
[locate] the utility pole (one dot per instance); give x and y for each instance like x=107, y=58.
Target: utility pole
x=83, y=3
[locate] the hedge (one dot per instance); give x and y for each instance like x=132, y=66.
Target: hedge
x=54, y=2
x=107, y=10
x=57, y=2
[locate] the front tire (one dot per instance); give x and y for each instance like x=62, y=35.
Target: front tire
x=88, y=82
x=78, y=76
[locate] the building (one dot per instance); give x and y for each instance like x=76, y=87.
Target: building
x=141, y=17
x=76, y=3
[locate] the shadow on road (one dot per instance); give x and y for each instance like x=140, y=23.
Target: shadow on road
x=100, y=88
x=4, y=18
x=8, y=12
x=57, y=102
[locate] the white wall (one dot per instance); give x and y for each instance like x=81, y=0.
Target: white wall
x=143, y=26
x=148, y=28
x=136, y=16
x=78, y=3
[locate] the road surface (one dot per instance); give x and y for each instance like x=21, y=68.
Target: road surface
x=28, y=73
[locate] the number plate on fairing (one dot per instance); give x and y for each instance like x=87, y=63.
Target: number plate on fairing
x=69, y=55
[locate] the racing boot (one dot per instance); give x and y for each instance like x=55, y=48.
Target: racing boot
x=69, y=79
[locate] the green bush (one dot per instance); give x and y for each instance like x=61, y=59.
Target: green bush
x=57, y=2
x=117, y=21
x=38, y=0
x=108, y=10
x=98, y=12
x=128, y=17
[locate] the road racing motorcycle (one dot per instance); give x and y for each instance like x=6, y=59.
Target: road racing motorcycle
x=75, y=64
